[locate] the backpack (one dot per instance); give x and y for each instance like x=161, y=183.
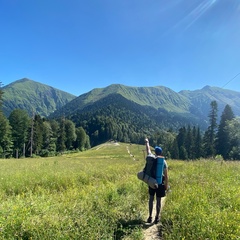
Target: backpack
x=153, y=171
x=150, y=166
x=154, y=167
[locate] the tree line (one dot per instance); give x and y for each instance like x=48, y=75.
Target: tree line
x=24, y=136
x=219, y=140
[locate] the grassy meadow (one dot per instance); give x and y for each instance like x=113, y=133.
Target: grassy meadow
x=96, y=195
x=204, y=202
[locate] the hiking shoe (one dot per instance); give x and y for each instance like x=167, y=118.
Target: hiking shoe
x=149, y=220
x=156, y=221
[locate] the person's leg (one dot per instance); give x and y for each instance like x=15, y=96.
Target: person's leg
x=160, y=192
x=151, y=193
x=158, y=208
x=150, y=207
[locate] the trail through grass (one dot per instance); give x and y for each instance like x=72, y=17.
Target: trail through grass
x=96, y=195
x=89, y=195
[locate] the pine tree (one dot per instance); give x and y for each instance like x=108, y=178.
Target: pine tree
x=194, y=138
x=49, y=145
x=181, y=141
x=20, y=122
x=233, y=129
x=61, y=147
x=175, y=150
x=210, y=133
x=198, y=145
x=189, y=142
x=5, y=137
x=183, y=153
x=223, y=138
x=38, y=130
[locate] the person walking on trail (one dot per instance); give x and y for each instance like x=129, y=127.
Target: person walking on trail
x=160, y=188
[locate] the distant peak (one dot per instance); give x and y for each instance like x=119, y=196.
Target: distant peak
x=206, y=87
x=25, y=79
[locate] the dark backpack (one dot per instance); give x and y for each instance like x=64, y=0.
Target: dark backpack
x=154, y=167
x=150, y=166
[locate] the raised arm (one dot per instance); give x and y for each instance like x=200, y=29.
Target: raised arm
x=147, y=147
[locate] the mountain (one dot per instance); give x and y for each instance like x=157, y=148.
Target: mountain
x=148, y=106
x=119, y=106
x=155, y=97
x=201, y=99
x=33, y=97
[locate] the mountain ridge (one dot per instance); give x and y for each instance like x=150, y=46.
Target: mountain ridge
x=159, y=103
x=33, y=97
x=146, y=96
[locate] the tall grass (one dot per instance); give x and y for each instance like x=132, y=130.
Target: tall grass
x=204, y=202
x=96, y=195
x=90, y=195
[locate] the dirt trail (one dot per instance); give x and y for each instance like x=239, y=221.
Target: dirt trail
x=152, y=230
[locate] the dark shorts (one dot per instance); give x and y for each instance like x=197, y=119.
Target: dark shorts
x=160, y=191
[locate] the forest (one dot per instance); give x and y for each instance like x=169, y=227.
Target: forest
x=25, y=136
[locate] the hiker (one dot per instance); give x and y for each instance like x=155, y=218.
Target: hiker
x=161, y=188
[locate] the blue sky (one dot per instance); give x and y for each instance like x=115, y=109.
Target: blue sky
x=77, y=45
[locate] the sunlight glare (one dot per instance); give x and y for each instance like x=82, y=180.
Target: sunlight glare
x=199, y=11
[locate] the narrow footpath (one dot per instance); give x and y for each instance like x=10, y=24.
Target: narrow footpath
x=152, y=231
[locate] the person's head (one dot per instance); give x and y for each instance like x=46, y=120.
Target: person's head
x=158, y=150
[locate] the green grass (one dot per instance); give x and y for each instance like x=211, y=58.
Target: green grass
x=96, y=195
x=204, y=202
x=91, y=195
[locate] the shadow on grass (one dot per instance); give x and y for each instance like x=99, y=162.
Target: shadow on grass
x=125, y=228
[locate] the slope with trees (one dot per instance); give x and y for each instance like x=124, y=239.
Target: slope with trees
x=32, y=96
x=123, y=114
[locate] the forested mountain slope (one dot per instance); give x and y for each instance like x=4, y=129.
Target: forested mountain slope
x=155, y=97
x=135, y=106
x=201, y=99
x=34, y=97
x=114, y=115
x=159, y=106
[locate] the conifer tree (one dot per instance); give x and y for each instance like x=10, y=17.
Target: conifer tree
x=20, y=122
x=223, y=138
x=175, y=150
x=198, y=145
x=181, y=140
x=61, y=147
x=233, y=128
x=194, y=138
x=5, y=137
x=49, y=143
x=210, y=133
x=189, y=142
x=38, y=130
